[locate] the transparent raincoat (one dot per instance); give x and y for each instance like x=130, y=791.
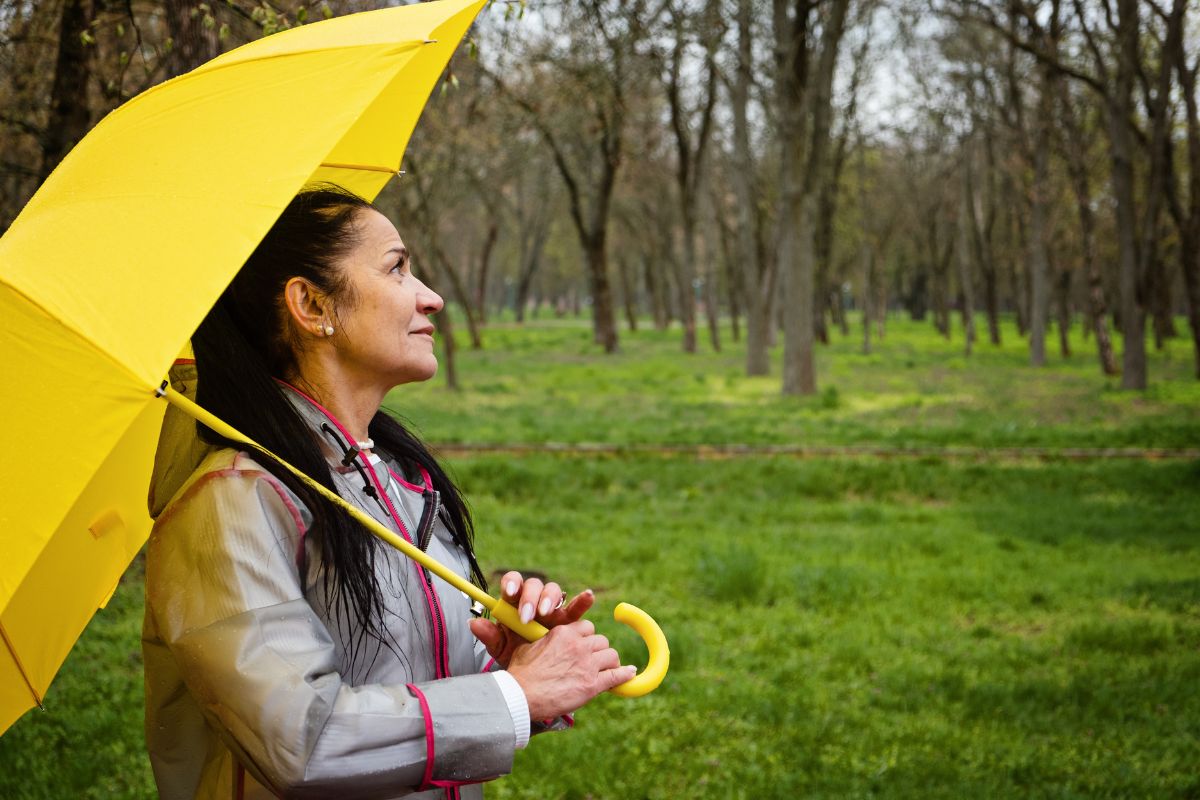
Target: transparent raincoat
x=250, y=689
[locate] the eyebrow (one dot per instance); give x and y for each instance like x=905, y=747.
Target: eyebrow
x=401, y=249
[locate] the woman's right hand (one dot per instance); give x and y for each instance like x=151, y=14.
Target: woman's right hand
x=566, y=668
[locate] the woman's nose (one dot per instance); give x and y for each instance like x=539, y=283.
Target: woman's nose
x=429, y=301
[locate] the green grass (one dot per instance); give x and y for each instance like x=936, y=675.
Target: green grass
x=839, y=628
x=547, y=382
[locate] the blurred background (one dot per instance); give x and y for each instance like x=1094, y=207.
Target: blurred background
x=856, y=341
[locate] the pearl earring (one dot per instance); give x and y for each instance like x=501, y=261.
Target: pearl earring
x=329, y=330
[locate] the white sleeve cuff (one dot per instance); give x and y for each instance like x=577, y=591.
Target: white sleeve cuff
x=518, y=706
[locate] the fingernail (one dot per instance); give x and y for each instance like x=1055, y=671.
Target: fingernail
x=511, y=587
x=544, y=606
x=527, y=612
x=631, y=671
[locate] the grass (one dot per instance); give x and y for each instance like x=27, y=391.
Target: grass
x=550, y=383
x=839, y=628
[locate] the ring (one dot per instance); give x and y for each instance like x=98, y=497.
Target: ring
x=562, y=601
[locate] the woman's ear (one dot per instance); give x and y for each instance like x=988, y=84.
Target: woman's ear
x=308, y=307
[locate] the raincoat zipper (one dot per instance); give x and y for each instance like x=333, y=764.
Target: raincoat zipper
x=441, y=667
x=424, y=534
x=441, y=659
x=429, y=510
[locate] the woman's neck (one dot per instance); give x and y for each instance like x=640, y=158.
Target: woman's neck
x=352, y=402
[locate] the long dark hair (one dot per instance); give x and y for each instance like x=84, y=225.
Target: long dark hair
x=247, y=343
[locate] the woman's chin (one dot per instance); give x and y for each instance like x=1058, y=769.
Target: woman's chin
x=423, y=371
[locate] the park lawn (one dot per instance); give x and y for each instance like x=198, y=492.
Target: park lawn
x=839, y=627
x=547, y=382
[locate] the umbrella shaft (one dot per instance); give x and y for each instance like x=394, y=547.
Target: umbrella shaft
x=502, y=611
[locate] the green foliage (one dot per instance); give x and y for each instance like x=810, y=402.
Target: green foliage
x=842, y=627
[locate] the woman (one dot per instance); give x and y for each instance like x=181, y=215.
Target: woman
x=287, y=652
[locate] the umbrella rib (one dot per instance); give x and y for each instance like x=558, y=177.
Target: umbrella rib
x=73, y=330
x=37, y=698
x=363, y=167
x=204, y=69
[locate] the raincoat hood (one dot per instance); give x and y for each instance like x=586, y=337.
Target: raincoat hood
x=180, y=450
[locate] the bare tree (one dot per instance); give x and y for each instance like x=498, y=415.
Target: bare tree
x=807, y=39
x=758, y=272
x=692, y=128
x=579, y=112
x=1188, y=220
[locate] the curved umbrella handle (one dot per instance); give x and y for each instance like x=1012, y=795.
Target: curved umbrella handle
x=645, y=681
x=648, y=679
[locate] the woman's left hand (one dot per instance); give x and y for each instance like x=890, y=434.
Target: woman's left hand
x=534, y=601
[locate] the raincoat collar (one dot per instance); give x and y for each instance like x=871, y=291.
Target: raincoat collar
x=180, y=450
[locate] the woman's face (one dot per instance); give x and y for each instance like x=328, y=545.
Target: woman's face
x=384, y=331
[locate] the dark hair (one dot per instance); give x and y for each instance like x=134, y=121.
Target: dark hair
x=247, y=342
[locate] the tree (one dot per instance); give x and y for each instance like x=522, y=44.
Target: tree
x=692, y=127
x=575, y=98
x=807, y=38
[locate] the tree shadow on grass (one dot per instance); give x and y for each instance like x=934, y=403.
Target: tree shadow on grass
x=1134, y=503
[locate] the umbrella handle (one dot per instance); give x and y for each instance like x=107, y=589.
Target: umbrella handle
x=645, y=681
x=648, y=679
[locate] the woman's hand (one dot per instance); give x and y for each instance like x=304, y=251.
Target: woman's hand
x=566, y=668
x=535, y=600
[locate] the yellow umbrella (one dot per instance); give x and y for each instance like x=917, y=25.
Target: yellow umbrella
x=117, y=258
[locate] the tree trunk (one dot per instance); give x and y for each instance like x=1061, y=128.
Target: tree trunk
x=628, y=294
x=939, y=256
x=604, y=319
x=1038, y=266
x=1120, y=111
x=1159, y=278
x=1160, y=177
x=192, y=43
x=711, y=310
x=868, y=264
x=735, y=307
x=1063, y=303
x=654, y=289
x=531, y=259
x=709, y=281
x=965, y=278
x=68, y=120
x=461, y=292
x=685, y=286
x=805, y=107
x=881, y=308
x=981, y=229
x=728, y=272
x=837, y=305
x=757, y=274
x=1189, y=249
x=799, y=370
x=866, y=249
x=445, y=332
x=1072, y=150
x=485, y=261
x=1017, y=285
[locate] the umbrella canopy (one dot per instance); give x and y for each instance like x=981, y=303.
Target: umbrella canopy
x=115, y=261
